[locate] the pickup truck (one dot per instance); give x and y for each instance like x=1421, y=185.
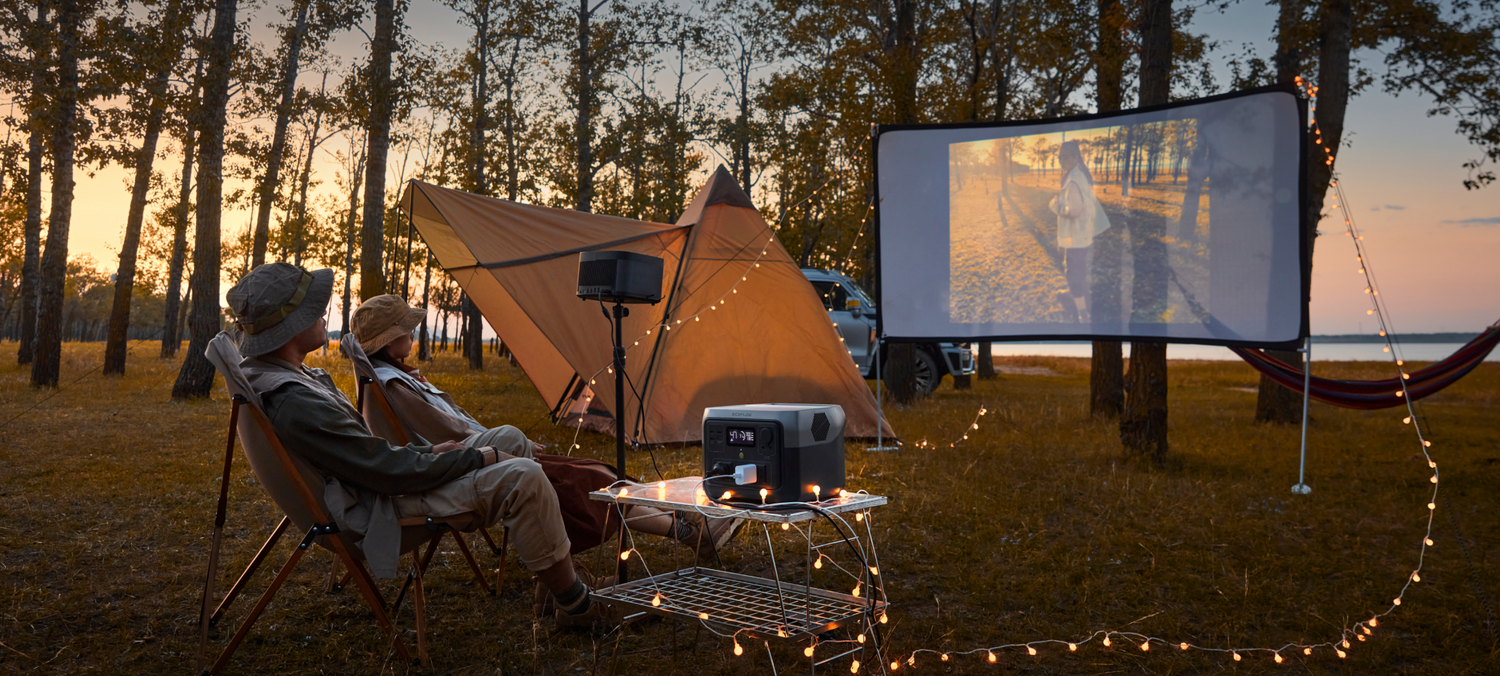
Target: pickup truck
x=854, y=312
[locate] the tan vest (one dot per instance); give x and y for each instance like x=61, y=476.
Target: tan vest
x=368, y=516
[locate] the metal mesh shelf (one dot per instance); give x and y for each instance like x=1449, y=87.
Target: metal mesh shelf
x=737, y=602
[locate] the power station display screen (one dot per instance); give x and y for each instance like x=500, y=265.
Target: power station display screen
x=741, y=436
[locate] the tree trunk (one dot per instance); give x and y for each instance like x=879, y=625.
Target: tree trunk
x=584, y=200
x=1274, y=403
x=119, y=316
x=986, y=366
x=899, y=373
x=377, y=145
x=1107, y=364
x=49, y=324
x=474, y=341
x=424, y=347
x=300, y=222
x=196, y=378
x=903, y=60
x=265, y=193
x=350, y=234
x=31, y=261
x=171, y=338
x=1143, y=423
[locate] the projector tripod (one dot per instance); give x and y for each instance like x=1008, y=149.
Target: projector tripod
x=617, y=319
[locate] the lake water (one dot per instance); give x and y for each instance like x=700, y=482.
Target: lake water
x=1320, y=351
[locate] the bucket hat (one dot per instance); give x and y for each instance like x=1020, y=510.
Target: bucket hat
x=382, y=319
x=275, y=302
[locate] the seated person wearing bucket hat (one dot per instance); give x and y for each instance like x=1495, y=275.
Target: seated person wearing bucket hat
x=383, y=325
x=279, y=309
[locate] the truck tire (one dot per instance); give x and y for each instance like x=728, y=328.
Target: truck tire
x=929, y=374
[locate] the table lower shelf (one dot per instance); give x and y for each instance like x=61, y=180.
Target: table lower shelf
x=741, y=603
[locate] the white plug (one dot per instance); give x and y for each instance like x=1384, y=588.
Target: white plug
x=744, y=474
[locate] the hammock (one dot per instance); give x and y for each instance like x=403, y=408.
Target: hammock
x=1373, y=394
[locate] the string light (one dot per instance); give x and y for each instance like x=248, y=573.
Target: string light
x=1362, y=630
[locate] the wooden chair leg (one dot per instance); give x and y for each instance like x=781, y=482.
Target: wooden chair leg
x=419, y=598
x=333, y=578
x=426, y=559
x=473, y=565
x=239, y=585
x=367, y=588
x=260, y=606
x=500, y=555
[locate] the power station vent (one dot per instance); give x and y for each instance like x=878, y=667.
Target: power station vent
x=820, y=426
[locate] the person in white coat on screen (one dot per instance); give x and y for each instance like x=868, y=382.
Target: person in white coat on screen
x=1080, y=218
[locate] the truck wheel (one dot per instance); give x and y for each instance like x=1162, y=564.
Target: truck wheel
x=928, y=375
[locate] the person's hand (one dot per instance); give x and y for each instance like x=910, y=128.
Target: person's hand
x=446, y=446
x=536, y=448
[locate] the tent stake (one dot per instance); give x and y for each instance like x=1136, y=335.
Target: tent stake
x=1302, y=488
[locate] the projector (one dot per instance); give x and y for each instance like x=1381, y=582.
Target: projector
x=619, y=277
x=785, y=449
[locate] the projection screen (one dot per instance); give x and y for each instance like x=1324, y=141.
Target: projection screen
x=1178, y=223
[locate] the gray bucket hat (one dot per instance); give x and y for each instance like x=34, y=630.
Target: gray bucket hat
x=275, y=302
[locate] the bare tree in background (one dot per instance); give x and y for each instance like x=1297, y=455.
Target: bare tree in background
x=1107, y=365
x=1143, y=423
x=265, y=191
x=36, y=104
x=377, y=145
x=48, y=348
x=196, y=377
x=164, y=52
x=171, y=336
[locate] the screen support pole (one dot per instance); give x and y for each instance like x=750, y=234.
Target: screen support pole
x=880, y=402
x=1302, y=488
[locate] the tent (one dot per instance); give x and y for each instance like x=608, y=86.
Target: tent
x=738, y=323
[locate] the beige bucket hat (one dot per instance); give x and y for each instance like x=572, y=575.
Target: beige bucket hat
x=275, y=302
x=382, y=319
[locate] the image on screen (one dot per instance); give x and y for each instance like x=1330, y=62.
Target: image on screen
x=1175, y=224
x=1048, y=204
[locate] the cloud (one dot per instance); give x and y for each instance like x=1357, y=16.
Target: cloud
x=1395, y=207
x=1374, y=208
x=1493, y=220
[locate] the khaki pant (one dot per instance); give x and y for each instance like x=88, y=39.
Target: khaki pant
x=504, y=438
x=515, y=492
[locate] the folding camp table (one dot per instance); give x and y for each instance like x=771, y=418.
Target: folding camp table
x=743, y=605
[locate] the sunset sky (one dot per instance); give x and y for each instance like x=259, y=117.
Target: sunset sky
x=1431, y=243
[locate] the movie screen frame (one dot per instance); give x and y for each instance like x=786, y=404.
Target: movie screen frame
x=1043, y=224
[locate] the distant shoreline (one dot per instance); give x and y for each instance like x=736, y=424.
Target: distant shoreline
x=1399, y=338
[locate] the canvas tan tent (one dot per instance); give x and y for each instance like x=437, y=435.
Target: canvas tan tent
x=738, y=323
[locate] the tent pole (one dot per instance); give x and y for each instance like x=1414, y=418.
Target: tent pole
x=1302, y=488
x=879, y=403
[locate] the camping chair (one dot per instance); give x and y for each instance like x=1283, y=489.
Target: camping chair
x=288, y=479
x=386, y=423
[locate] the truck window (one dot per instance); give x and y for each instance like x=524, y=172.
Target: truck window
x=832, y=294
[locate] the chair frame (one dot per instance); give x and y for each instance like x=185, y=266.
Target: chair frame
x=322, y=526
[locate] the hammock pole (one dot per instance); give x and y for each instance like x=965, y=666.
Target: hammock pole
x=1302, y=488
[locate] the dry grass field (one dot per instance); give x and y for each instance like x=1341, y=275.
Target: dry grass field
x=1034, y=528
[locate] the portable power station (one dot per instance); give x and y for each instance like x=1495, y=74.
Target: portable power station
x=786, y=449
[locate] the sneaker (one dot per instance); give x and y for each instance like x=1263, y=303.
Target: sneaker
x=719, y=531
x=542, y=602
x=600, y=615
